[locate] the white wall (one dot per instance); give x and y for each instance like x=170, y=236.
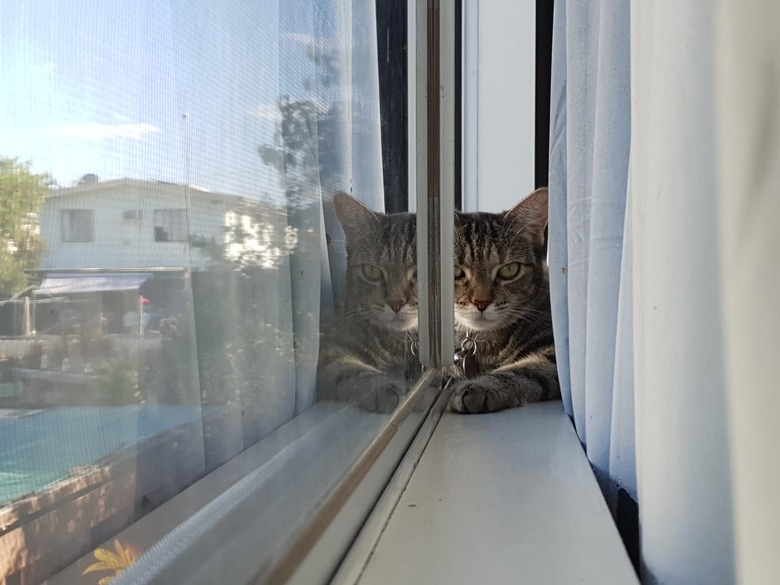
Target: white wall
x=499, y=86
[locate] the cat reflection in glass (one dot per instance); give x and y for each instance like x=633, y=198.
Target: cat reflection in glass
x=367, y=358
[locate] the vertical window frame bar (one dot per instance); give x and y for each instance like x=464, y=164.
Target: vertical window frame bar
x=435, y=178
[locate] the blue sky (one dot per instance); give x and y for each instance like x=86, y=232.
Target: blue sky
x=91, y=86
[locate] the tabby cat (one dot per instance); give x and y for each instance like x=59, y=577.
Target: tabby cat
x=502, y=302
x=367, y=358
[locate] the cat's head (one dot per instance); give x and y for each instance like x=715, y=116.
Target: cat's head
x=499, y=264
x=381, y=265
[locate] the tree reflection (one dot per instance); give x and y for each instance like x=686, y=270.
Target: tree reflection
x=257, y=238
x=22, y=193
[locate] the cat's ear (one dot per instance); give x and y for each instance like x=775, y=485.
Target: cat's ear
x=356, y=219
x=529, y=217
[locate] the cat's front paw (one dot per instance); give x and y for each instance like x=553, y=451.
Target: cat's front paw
x=383, y=397
x=472, y=397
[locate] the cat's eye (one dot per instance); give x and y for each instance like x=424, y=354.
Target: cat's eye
x=509, y=271
x=458, y=272
x=371, y=272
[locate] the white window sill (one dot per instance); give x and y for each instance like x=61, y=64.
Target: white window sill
x=493, y=499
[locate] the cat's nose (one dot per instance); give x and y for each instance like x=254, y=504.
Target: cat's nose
x=396, y=304
x=482, y=305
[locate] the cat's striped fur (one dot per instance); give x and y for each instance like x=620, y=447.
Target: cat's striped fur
x=366, y=358
x=502, y=301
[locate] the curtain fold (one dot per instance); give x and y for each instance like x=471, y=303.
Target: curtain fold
x=589, y=148
x=622, y=453
x=748, y=119
x=608, y=206
x=581, y=69
x=682, y=449
x=558, y=250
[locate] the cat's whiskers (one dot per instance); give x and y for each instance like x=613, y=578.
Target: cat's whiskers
x=530, y=321
x=355, y=318
x=521, y=311
x=525, y=314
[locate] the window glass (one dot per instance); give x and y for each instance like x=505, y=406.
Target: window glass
x=170, y=225
x=78, y=225
x=192, y=149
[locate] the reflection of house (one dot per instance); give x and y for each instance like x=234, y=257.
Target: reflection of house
x=113, y=236
x=129, y=223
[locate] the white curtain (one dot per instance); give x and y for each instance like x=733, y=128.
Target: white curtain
x=339, y=78
x=682, y=449
x=664, y=182
x=308, y=72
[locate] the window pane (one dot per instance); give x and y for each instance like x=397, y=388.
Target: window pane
x=170, y=225
x=174, y=269
x=78, y=225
